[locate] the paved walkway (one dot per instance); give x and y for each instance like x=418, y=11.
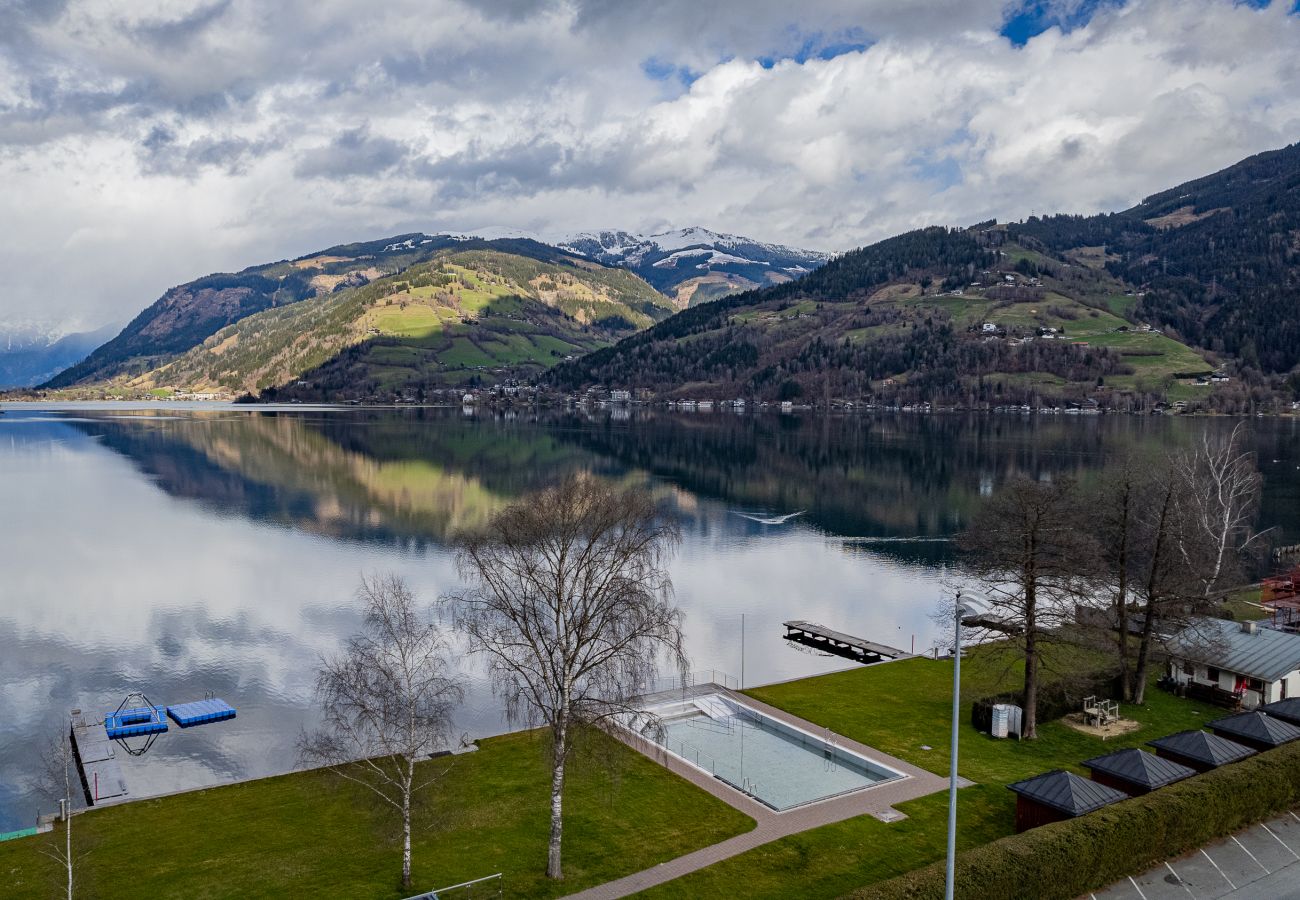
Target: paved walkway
x=1260, y=863
x=876, y=801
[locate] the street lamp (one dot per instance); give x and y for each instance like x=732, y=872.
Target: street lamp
x=963, y=610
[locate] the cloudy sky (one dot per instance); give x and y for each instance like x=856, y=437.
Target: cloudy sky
x=146, y=142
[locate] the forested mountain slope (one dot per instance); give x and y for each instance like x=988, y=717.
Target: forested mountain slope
x=461, y=317
x=1147, y=303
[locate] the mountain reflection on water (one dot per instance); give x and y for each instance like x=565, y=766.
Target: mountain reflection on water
x=184, y=550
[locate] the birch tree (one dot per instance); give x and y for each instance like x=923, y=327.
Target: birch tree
x=57, y=780
x=571, y=605
x=1222, y=491
x=388, y=700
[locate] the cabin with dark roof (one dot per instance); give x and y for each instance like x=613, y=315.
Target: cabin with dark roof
x=1136, y=772
x=1199, y=750
x=1255, y=729
x=1286, y=710
x=1245, y=660
x=1059, y=795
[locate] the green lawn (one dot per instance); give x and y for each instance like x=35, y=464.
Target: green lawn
x=899, y=708
x=312, y=834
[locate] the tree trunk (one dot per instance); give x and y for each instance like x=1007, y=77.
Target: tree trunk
x=557, y=800
x=406, y=829
x=1121, y=602
x=1152, y=599
x=1030, y=726
x=67, y=818
x=1144, y=655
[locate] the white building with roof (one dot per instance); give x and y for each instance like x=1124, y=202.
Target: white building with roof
x=1258, y=664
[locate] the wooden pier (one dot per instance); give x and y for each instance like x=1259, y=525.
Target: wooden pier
x=97, y=763
x=819, y=637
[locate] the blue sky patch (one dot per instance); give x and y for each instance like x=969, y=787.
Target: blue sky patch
x=1033, y=17
x=820, y=46
x=657, y=69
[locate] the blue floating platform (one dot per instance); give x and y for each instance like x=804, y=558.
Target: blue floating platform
x=132, y=722
x=200, y=712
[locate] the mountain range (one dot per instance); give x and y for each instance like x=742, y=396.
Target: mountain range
x=403, y=314
x=1190, y=296
x=30, y=355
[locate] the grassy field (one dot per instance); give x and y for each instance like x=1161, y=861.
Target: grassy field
x=901, y=708
x=312, y=834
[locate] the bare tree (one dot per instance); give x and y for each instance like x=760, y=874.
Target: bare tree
x=58, y=763
x=1222, y=491
x=1028, y=553
x=572, y=606
x=1116, y=506
x=388, y=701
x=1161, y=578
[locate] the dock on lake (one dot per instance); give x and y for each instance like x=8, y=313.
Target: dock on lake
x=97, y=763
x=819, y=637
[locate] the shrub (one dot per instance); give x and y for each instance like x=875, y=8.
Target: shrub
x=1071, y=858
x=1055, y=698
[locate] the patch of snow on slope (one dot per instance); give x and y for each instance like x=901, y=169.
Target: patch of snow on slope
x=712, y=258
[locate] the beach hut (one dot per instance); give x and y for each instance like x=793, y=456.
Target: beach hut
x=1200, y=750
x=1255, y=729
x=1286, y=710
x=1058, y=795
x=1136, y=772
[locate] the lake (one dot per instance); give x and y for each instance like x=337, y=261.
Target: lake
x=182, y=550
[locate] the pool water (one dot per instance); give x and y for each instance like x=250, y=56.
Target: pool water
x=777, y=764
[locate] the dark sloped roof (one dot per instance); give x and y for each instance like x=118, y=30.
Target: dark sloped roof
x=1286, y=710
x=1140, y=768
x=1067, y=792
x=1202, y=747
x=1262, y=653
x=1257, y=727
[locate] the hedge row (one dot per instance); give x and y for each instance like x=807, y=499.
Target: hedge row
x=1069, y=859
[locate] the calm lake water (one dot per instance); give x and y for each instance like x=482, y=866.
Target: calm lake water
x=182, y=550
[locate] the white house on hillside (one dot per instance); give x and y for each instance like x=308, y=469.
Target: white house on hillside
x=1258, y=664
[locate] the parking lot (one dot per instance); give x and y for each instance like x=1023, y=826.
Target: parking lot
x=1260, y=862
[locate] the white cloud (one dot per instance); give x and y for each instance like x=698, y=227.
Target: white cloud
x=143, y=145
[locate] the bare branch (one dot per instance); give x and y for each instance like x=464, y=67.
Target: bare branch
x=573, y=610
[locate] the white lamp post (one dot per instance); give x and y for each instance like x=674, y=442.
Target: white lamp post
x=963, y=610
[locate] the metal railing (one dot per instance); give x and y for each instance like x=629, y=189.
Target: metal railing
x=692, y=754
x=486, y=887
x=694, y=679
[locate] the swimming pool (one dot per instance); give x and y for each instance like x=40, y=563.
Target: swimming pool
x=775, y=763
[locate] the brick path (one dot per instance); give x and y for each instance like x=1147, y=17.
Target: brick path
x=876, y=801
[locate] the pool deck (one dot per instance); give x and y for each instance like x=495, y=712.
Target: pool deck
x=876, y=800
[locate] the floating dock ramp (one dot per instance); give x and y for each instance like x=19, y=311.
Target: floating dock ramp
x=201, y=712
x=819, y=637
x=97, y=763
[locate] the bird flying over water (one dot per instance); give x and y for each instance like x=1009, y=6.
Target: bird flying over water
x=771, y=520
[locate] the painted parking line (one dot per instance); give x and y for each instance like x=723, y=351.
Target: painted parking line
x=1130, y=878
x=1161, y=884
x=1178, y=879
x=1251, y=855
x=1200, y=877
x=1216, y=865
x=1235, y=862
x=1266, y=854
x=1287, y=830
x=1274, y=836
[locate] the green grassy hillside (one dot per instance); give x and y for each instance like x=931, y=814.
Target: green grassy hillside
x=961, y=316
x=464, y=315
